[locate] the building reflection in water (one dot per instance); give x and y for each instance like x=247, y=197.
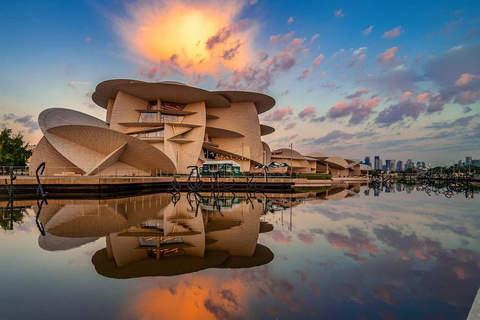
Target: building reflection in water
x=398, y=255
x=153, y=236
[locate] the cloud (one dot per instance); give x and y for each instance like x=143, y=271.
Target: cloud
x=338, y=52
x=359, y=51
x=278, y=236
x=315, y=288
x=451, y=25
x=466, y=97
x=195, y=79
x=395, y=32
x=465, y=79
x=260, y=75
x=208, y=36
x=367, y=31
x=88, y=39
x=387, y=58
x=358, y=93
x=339, y=13
x=356, y=60
x=275, y=38
x=278, y=114
x=357, y=243
x=284, y=38
x=303, y=275
x=287, y=36
x=392, y=82
x=27, y=122
x=290, y=20
x=472, y=33
x=460, y=122
x=305, y=74
x=74, y=84
x=307, y=112
x=403, y=109
x=317, y=60
x=336, y=136
x=306, y=238
x=90, y=105
x=314, y=37
x=9, y=116
x=447, y=68
x=330, y=85
x=385, y=292
x=322, y=74
x=290, y=125
x=359, y=109
x=417, y=60
x=318, y=119
x=284, y=139
x=456, y=73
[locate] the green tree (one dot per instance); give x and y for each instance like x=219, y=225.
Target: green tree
x=13, y=150
x=10, y=219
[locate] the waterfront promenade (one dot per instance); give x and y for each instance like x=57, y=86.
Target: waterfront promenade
x=26, y=186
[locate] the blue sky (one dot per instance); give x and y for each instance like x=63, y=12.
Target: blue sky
x=395, y=79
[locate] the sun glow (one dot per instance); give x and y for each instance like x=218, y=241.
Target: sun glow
x=191, y=37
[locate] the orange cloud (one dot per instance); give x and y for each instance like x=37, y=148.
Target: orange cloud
x=278, y=236
x=385, y=293
x=461, y=272
x=422, y=97
x=395, y=32
x=315, y=289
x=278, y=114
x=317, y=60
x=188, y=36
x=465, y=79
x=198, y=298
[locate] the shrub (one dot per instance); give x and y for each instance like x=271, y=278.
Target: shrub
x=314, y=176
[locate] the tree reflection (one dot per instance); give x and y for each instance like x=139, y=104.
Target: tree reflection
x=12, y=215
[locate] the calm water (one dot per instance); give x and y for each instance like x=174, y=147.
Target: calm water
x=341, y=254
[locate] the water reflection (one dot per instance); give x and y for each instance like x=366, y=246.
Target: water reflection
x=332, y=253
x=446, y=188
x=154, y=236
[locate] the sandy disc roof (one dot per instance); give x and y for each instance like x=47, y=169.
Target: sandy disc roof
x=177, y=92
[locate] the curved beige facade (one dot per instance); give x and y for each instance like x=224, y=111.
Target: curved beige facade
x=315, y=162
x=154, y=128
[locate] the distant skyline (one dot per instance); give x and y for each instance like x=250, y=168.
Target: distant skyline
x=395, y=79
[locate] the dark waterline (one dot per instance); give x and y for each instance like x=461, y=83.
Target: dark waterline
x=341, y=254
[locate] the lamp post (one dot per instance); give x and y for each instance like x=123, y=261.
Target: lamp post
x=291, y=161
x=242, y=158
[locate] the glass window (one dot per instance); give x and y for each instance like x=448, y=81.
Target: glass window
x=151, y=134
x=167, y=118
x=147, y=117
x=152, y=253
x=152, y=105
x=172, y=105
x=147, y=241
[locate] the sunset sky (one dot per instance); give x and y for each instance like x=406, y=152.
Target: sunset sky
x=396, y=79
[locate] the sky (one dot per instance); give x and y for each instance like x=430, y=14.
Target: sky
x=353, y=79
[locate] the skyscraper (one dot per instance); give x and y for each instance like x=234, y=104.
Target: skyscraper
x=388, y=165
x=367, y=161
x=399, y=165
x=409, y=164
x=377, y=165
x=468, y=160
